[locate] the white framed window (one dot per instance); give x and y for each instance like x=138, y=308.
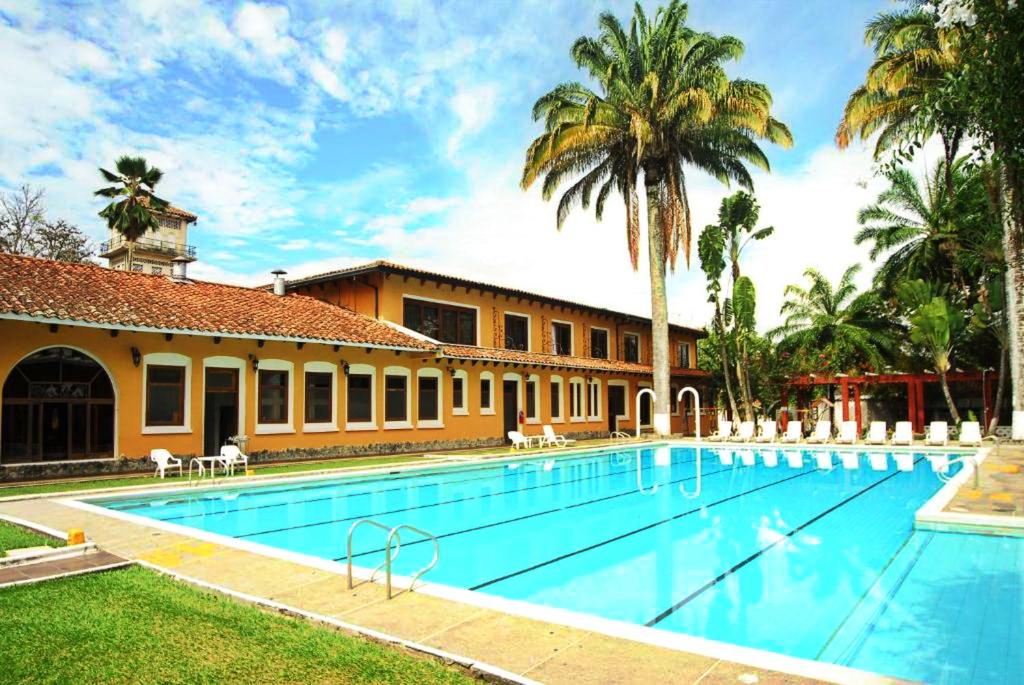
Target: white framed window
x=486, y=393
x=685, y=355
x=674, y=400
x=532, y=399
x=517, y=331
x=631, y=347
x=397, y=398
x=624, y=415
x=275, y=401
x=166, y=393
x=320, y=397
x=516, y=378
x=557, y=390
x=361, y=398
x=576, y=400
x=460, y=393
x=222, y=362
x=594, y=399
x=598, y=343
x=563, y=335
x=646, y=403
x=429, y=398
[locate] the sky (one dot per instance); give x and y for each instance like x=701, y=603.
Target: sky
x=313, y=136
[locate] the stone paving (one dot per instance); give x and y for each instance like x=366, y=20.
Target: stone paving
x=1000, y=487
x=537, y=650
x=43, y=570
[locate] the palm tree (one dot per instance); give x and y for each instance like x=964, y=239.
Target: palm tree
x=919, y=229
x=912, y=57
x=846, y=328
x=664, y=101
x=934, y=324
x=130, y=211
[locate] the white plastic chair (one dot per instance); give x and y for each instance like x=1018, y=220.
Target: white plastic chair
x=847, y=432
x=769, y=431
x=903, y=433
x=519, y=441
x=231, y=456
x=552, y=438
x=794, y=432
x=822, y=432
x=970, y=433
x=162, y=458
x=938, y=433
x=724, y=432
x=876, y=433
x=746, y=431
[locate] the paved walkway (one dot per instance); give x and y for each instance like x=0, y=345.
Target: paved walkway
x=1000, y=488
x=44, y=570
x=541, y=651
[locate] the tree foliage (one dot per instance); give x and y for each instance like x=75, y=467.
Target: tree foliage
x=24, y=229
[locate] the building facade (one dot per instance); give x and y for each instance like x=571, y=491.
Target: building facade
x=101, y=366
x=154, y=252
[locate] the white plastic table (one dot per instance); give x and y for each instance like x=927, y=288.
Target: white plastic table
x=207, y=462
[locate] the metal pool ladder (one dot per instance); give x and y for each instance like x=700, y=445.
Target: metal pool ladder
x=394, y=539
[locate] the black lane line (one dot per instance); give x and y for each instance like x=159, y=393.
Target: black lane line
x=435, y=504
x=336, y=495
x=627, y=534
x=736, y=567
x=535, y=514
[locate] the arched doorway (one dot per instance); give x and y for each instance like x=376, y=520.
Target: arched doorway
x=58, y=404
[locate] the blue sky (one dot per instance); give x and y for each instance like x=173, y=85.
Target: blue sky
x=315, y=135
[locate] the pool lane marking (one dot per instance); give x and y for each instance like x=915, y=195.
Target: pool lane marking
x=631, y=491
x=737, y=566
x=333, y=484
x=439, y=503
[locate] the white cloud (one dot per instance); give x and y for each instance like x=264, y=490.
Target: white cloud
x=335, y=44
x=296, y=244
x=265, y=27
x=473, y=108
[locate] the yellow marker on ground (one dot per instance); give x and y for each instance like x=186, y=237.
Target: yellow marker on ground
x=76, y=536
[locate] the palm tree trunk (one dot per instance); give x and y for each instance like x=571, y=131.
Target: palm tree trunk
x=725, y=361
x=659, y=304
x=1013, y=237
x=741, y=379
x=949, y=398
x=1004, y=361
x=130, y=256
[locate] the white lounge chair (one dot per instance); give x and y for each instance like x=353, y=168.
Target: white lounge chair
x=162, y=458
x=520, y=441
x=876, y=433
x=938, y=433
x=231, y=456
x=794, y=432
x=745, y=433
x=724, y=432
x=552, y=438
x=847, y=432
x=822, y=432
x=769, y=431
x=970, y=433
x=903, y=434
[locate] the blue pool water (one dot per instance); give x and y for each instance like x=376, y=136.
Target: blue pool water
x=741, y=546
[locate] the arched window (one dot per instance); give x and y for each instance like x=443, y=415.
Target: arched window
x=58, y=403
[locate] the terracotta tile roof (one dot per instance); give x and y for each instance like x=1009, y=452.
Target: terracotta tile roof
x=556, y=360
x=56, y=292
x=399, y=269
x=171, y=210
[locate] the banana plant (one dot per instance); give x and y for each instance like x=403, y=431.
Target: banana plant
x=934, y=323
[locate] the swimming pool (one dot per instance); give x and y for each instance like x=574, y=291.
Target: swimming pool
x=783, y=550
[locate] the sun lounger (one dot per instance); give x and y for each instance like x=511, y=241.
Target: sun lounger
x=903, y=434
x=847, y=432
x=769, y=431
x=745, y=433
x=162, y=458
x=519, y=441
x=822, y=432
x=938, y=433
x=793, y=432
x=552, y=439
x=876, y=433
x=970, y=433
x=724, y=432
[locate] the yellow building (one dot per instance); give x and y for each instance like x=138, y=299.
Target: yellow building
x=102, y=365
x=156, y=251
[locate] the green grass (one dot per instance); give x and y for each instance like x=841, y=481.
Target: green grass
x=147, y=479
x=16, y=537
x=135, y=626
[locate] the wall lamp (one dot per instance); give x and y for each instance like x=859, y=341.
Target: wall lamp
x=136, y=356
x=344, y=366
x=255, y=362
x=451, y=371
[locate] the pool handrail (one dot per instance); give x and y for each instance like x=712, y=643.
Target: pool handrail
x=394, y=538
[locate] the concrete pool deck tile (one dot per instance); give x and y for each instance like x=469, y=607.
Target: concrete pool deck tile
x=513, y=643
x=999, y=492
x=330, y=596
x=420, y=617
x=729, y=672
x=611, y=660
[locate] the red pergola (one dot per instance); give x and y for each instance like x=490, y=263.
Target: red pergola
x=914, y=383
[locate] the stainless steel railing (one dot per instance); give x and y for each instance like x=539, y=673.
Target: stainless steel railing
x=394, y=540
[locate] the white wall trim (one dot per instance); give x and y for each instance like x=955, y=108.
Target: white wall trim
x=574, y=383
x=167, y=359
x=529, y=328
x=321, y=426
x=572, y=335
x=225, y=362
x=439, y=375
x=360, y=370
x=595, y=405
x=464, y=409
x=560, y=416
x=289, y=425
x=607, y=343
x=536, y=419
x=639, y=349
x=407, y=374
x=490, y=410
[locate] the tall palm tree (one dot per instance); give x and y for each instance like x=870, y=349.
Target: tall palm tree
x=130, y=211
x=844, y=327
x=918, y=229
x=664, y=101
x=897, y=98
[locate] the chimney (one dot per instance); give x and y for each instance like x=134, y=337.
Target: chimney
x=279, y=281
x=179, y=270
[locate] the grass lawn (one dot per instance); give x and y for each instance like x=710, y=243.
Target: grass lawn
x=16, y=537
x=147, y=479
x=135, y=626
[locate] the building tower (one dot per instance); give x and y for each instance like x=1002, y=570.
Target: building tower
x=154, y=251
